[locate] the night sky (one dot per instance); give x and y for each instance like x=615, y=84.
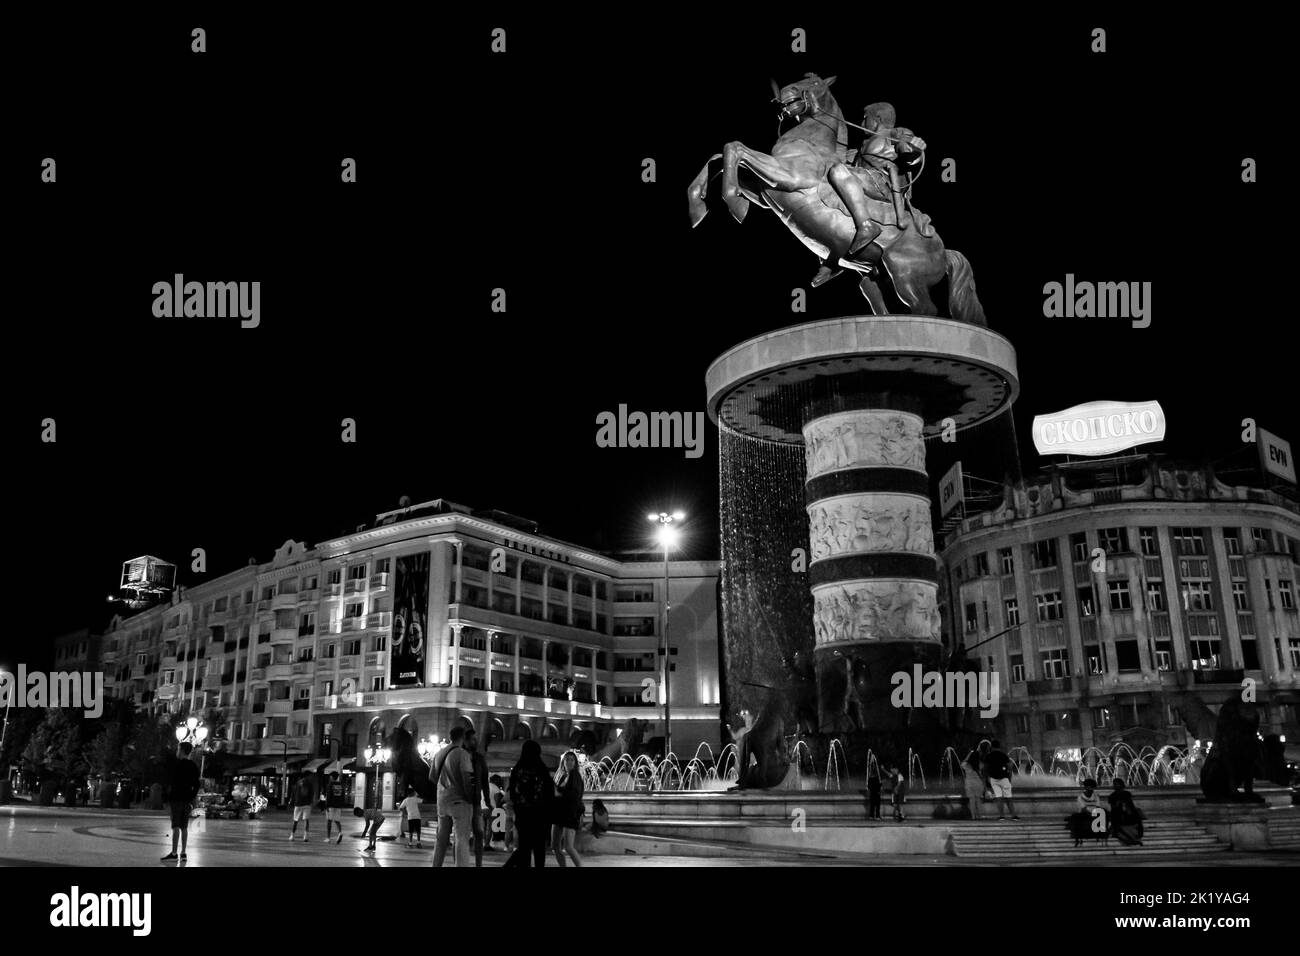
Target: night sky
x=523, y=171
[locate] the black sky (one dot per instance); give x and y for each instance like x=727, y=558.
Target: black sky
x=522, y=171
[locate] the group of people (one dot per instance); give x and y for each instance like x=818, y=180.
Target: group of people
x=1090, y=821
x=537, y=809
x=986, y=773
x=897, y=781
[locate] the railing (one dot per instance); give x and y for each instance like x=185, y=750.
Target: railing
x=378, y=581
x=1051, y=685
x=303, y=667
x=356, y=586
x=350, y=623
x=334, y=590
x=310, y=596
x=302, y=704
x=379, y=619
x=259, y=673
x=375, y=659
x=1218, y=676
x=263, y=605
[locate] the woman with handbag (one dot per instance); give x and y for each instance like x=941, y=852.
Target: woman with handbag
x=569, y=810
x=531, y=791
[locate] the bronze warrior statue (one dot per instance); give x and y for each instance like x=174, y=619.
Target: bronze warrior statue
x=853, y=211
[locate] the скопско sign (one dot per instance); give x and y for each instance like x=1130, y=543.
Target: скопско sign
x=1099, y=428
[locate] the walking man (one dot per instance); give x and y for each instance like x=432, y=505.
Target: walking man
x=304, y=798
x=184, y=788
x=482, y=796
x=996, y=767
x=335, y=794
x=453, y=769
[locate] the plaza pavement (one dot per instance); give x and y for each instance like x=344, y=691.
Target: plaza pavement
x=84, y=837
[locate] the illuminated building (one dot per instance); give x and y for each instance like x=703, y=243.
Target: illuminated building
x=1133, y=593
x=432, y=616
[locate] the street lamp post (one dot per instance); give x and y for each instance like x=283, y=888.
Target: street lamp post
x=378, y=756
x=4, y=730
x=194, y=733
x=667, y=537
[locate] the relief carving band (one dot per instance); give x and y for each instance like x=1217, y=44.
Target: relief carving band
x=877, y=610
x=879, y=521
x=864, y=439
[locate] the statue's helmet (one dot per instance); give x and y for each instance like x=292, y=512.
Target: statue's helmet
x=880, y=115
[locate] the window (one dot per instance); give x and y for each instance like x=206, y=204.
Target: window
x=1022, y=723
x=1232, y=540
x=1156, y=596
x=1127, y=658
x=1101, y=717
x=1049, y=606
x=1119, y=596
x=1249, y=656
x=1087, y=608
x=1011, y=609
x=1006, y=561
x=306, y=654
x=1205, y=653
x=1240, y=600
x=1197, y=596
x=1113, y=540
x=357, y=572
x=980, y=563
x=1189, y=541
x=268, y=592
x=329, y=651
x=382, y=565
x=639, y=594
x=972, y=618
x=310, y=582
x=1150, y=542
x=1043, y=554
x=307, y=624
x=279, y=726
x=1285, y=595
x=984, y=605
x=1294, y=647
x=220, y=604
x=377, y=683
x=1049, y=721
x=288, y=586
x=1096, y=655
x=356, y=609
x=326, y=688
x=1262, y=539
x=380, y=642
x=1164, y=656
x=334, y=577
x=1056, y=663
x=351, y=648
x=1079, y=546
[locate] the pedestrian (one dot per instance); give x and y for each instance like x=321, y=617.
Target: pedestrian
x=374, y=820
x=411, y=807
x=1125, y=818
x=531, y=792
x=304, y=798
x=873, y=795
x=569, y=810
x=996, y=767
x=1087, y=806
x=599, y=818
x=453, y=769
x=973, y=783
x=899, y=794
x=482, y=800
x=184, y=788
x=335, y=800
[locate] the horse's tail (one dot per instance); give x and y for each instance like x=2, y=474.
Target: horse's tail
x=963, y=303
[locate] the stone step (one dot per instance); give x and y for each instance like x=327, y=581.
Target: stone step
x=617, y=842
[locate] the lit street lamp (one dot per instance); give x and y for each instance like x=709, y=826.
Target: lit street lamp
x=668, y=536
x=194, y=733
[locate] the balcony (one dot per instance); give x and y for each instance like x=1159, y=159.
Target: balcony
x=259, y=707
x=328, y=627
x=379, y=620
x=258, y=673
x=375, y=659
x=334, y=590
x=1218, y=676
x=280, y=671
x=284, y=601
x=350, y=662
x=352, y=624
x=379, y=581
x=211, y=682
x=263, y=606
x=303, y=667
x=302, y=704
x=355, y=586
x=1052, y=685
x=310, y=596
x=168, y=691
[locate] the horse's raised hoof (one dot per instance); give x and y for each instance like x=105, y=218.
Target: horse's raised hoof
x=698, y=211
x=824, y=275
x=739, y=206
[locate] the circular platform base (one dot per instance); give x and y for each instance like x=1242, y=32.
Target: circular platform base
x=768, y=386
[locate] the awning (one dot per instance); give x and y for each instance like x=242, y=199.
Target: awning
x=258, y=770
x=313, y=765
x=340, y=766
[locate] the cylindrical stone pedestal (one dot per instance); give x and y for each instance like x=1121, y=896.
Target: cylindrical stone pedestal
x=872, y=569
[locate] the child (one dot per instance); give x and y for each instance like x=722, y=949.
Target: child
x=873, y=796
x=900, y=793
x=411, y=810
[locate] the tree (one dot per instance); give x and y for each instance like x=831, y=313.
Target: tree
x=147, y=749
x=104, y=753
x=54, y=749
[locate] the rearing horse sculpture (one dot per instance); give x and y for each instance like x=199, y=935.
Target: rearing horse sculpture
x=793, y=183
